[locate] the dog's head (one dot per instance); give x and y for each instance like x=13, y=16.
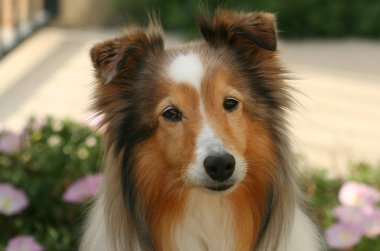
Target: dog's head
x=202, y=116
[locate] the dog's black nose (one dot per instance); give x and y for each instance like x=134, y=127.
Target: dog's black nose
x=220, y=167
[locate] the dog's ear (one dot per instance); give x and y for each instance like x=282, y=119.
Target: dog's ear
x=123, y=55
x=255, y=29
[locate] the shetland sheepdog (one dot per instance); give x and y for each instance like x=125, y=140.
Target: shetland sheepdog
x=197, y=156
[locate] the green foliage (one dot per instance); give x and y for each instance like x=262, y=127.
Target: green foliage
x=364, y=173
x=296, y=18
x=51, y=158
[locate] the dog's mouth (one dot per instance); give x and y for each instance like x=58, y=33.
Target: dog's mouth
x=219, y=188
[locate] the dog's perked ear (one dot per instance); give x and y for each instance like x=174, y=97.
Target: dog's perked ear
x=124, y=55
x=255, y=29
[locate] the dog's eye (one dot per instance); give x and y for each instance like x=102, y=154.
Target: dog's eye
x=172, y=114
x=230, y=104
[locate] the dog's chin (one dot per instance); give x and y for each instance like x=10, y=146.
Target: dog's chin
x=214, y=187
x=219, y=188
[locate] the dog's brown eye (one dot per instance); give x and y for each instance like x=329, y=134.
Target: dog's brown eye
x=230, y=104
x=172, y=114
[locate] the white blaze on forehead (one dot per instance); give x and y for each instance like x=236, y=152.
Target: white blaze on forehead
x=187, y=68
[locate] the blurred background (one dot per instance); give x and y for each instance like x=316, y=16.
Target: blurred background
x=48, y=144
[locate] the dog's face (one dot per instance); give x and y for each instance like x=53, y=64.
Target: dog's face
x=202, y=125
x=196, y=117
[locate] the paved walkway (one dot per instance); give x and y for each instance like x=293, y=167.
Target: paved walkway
x=337, y=121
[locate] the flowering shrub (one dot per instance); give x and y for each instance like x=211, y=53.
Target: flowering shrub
x=347, y=212
x=48, y=173
x=37, y=168
x=358, y=216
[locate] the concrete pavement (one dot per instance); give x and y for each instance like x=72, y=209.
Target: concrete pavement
x=337, y=119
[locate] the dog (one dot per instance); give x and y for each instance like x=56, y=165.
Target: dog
x=197, y=155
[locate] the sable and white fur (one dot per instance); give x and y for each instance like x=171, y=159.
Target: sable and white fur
x=156, y=194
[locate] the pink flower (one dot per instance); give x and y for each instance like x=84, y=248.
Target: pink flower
x=83, y=189
x=354, y=216
x=358, y=195
x=11, y=142
x=342, y=236
x=12, y=200
x=374, y=215
x=23, y=243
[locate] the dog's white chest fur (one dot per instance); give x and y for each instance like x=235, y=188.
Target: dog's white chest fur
x=208, y=225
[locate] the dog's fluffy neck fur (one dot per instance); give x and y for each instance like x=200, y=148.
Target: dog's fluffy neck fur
x=206, y=227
